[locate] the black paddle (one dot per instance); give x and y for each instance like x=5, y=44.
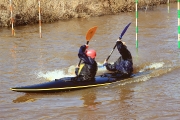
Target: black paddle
x=89, y=35
x=120, y=37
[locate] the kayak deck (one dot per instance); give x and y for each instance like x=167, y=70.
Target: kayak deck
x=66, y=84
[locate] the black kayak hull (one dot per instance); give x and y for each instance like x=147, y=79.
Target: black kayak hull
x=66, y=84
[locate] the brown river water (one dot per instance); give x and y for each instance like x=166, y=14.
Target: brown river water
x=153, y=94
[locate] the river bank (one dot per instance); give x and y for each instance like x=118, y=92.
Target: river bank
x=54, y=10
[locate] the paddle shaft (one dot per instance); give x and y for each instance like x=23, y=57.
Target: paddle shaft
x=111, y=53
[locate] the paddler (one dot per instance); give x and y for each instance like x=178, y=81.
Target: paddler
x=86, y=71
x=124, y=64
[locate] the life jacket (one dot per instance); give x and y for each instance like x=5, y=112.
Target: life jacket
x=87, y=72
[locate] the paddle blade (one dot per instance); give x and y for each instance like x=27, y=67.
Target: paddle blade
x=124, y=31
x=90, y=33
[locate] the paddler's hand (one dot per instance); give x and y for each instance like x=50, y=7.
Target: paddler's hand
x=86, y=46
x=105, y=62
x=118, y=40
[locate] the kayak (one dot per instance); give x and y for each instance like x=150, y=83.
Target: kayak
x=68, y=83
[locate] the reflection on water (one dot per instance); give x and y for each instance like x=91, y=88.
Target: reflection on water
x=32, y=97
x=25, y=98
x=90, y=100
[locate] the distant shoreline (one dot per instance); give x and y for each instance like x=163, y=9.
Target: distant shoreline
x=25, y=13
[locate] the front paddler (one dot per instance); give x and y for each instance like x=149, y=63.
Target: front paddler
x=87, y=70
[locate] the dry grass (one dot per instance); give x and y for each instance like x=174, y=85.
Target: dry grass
x=26, y=11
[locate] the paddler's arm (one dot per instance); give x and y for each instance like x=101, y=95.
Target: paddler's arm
x=82, y=55
x=122, y=48
x=110, y=67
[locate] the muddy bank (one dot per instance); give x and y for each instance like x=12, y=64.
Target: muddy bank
x=26, y=12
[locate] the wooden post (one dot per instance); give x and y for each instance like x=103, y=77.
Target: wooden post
x=178, y=11
x=12, y=20
x=136, y=23
x=40, y=33
x=168, y=5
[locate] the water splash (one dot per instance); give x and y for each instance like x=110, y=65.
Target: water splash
x=55, y=74
x=148, y=72
x=153, y=66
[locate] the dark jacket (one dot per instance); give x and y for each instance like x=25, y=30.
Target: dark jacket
x=88, y=67
x=124, y=63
